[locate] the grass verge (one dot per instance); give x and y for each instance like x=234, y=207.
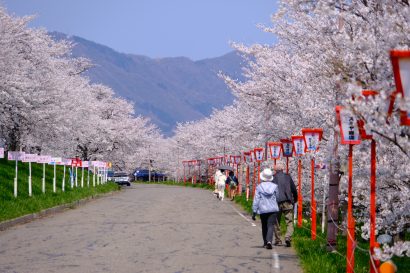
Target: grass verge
x=12, y=207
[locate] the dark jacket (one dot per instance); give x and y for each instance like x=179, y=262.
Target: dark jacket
x=286, y=188
x=231, y=178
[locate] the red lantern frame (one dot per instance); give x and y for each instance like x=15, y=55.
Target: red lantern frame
x=294, y=138
x=258, y=150
x=275, y=144
x=395, y=57
x=339, y=120
x=286, y=141
x=306, y=131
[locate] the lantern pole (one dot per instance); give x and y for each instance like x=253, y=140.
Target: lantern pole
x=300, y=198
x=184, y=174
x=350, y=218
x=313, y=201
x=287, y=165
x=254, y=180
x=373, y=243
x=247, y=181
x=239, y=189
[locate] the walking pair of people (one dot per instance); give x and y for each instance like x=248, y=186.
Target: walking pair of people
x=221, y=180
x=273, y=197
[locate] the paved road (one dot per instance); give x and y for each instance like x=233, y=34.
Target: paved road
x=146, y=228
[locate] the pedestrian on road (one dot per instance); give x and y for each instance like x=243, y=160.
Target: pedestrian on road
x=216, y=177
x=220, y=182
x=265, y=204
x=287, y=196
x=232, y=181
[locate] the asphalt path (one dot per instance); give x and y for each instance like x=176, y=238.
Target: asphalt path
x=145, y=228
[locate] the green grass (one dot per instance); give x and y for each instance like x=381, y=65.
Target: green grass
x=12, y=207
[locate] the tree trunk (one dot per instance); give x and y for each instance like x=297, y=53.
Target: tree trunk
x=333, y=200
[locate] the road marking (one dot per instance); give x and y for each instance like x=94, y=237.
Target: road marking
x=243, y=216
x=275, y=264
x=275, y=256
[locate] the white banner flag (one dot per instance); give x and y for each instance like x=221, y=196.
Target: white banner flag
x=43, y=159
x=55, y=161
x=15, y=155
x=29, y=158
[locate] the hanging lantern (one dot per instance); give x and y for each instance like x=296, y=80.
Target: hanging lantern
x=237, y=159
x=275, y=149
x=401, y=70
x=299, y=146
x=258, y=154
x=287, y=147
x=247, y=157
x=312, y=138
x=349, y=130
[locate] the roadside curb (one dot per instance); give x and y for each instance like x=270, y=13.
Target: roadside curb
x=51, y=211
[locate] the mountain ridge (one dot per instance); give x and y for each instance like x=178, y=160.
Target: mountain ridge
x=167, y=90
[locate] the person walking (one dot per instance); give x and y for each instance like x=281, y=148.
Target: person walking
x=220, y=182
x=265, y=204
x=287, y=196
x=232, y=181
x=216, y=177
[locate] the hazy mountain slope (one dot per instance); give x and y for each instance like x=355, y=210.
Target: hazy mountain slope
x=168, y=90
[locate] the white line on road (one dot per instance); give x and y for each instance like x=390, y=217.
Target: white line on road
x=275, y=264
x=243, y=216
x=275, y=255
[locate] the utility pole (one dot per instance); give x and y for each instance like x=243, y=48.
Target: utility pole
x=149, y=170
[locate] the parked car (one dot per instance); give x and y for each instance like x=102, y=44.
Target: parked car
x=143, y=175
x=121, y=178
x=110, y=175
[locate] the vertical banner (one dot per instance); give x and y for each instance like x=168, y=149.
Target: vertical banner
x=1, y=152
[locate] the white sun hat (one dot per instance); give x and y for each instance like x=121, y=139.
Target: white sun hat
x=266, y=175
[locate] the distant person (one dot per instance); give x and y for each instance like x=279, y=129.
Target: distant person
x=216, y=177
x=232, y=182
x=265, y=204
x=287, y=196
x=220, y=183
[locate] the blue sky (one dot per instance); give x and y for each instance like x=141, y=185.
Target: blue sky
x=157, y=28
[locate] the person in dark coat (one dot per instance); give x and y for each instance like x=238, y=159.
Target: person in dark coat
x=287, y=196
x=232, y=182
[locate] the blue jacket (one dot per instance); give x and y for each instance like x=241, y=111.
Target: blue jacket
x=265, y=198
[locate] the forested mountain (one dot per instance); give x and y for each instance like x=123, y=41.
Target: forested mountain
x=168, y=90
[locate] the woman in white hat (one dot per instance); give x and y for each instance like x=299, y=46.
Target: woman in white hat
x=265, y=204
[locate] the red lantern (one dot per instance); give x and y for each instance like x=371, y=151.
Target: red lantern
x=349, y=133
x=258, y=154
x=275, y=148
x=349, y=130
x=312, y=137
x=299, y=146
x=247, y=157
x=299, y=149
x=287, y=147
x=401, y=70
